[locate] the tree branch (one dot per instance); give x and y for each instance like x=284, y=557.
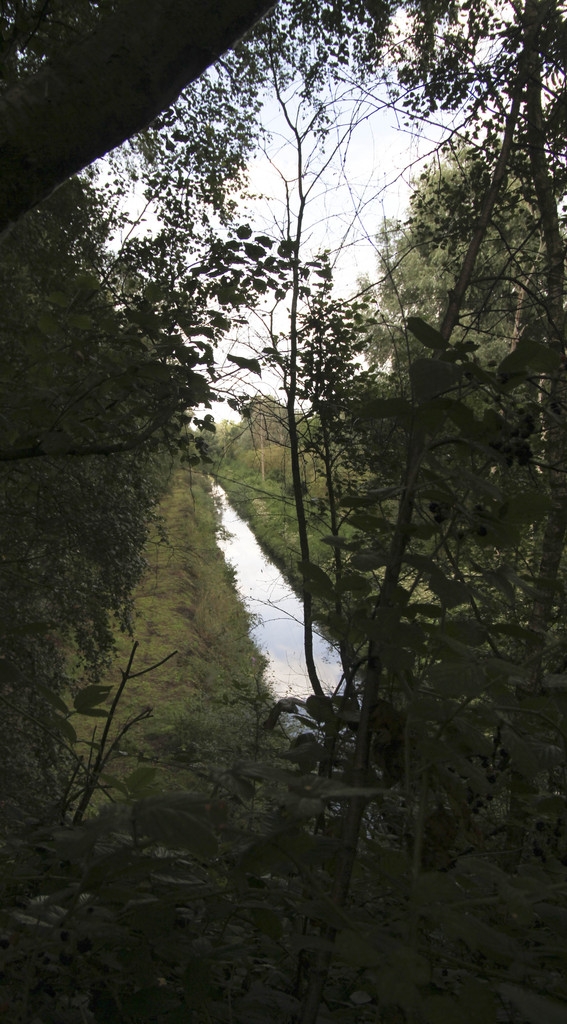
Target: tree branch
x=107, y=88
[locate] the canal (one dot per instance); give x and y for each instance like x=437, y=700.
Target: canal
x=276, y=610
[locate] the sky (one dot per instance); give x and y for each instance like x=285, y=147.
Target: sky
x=362, y=175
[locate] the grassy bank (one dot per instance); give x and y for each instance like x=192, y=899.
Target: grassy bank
x=209, y=700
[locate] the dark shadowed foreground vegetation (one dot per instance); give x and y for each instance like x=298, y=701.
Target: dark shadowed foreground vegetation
x=400, y=856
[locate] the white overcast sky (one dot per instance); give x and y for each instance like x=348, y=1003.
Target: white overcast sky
x=367, y=180
x=360, y=176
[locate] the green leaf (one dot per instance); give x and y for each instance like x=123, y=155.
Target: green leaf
x=526, y=508
x=244, y=231
x=316, y=580
x=267, y=921
x=58, y=298
x=366, y=561
x=254, y=252
x=178, y=819
x=87, y=282
x=153, y=292
x=451, y=592
x=432, y=377
x=90, y=696
x=427, y=335
x=154, y=371
x=442, y=1009
x=383, y=408
x=535, y=1009
x=150, y=1004
x=222, y=323
x=532, y=354
x=320, y=708
x=10, y=673
x=351, y=583
x=359, y=997
x=63, y=726
x=140, y=780
x=56, y=442
x=114, y=783
x=356, y=949
x=246, y=364
x=179, y=828
x=51, y=698
x=196, y=980
x=48, y=325
x=478, y=1002
x=81, y=321
x=457, y=679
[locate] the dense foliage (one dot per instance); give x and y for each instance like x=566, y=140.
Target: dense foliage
x=403, y=861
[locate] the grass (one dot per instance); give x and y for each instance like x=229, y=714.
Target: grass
x=209, y=700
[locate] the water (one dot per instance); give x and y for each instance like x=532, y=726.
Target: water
x=277, y=612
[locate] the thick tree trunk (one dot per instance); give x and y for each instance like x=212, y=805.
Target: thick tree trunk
x=107, y=88
x=556, y=440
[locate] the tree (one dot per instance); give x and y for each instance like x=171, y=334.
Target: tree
x=419, y=261
x=412, y=865
x=105, y=88
x=457, y=528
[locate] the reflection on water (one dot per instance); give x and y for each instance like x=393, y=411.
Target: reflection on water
x=278, y=629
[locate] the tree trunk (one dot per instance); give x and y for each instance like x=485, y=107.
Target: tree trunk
x=107, y=88
x=556, y=439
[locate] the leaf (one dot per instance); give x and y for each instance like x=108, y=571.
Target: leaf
x=425, y=334
x=140, y=779
x=196, y=980
x=58, y=298
x=153, y=292
x=254, y=252
x=178, y=820
x=268, y=922
x=358, y=950
x=451, y=592
x=48, y=325
x=316, y=580
x=155, y=371
x=351, y=583
x=442, y=1009
x=432, y=377
x=320, y=708
x=90, y=696
x=63, y=726
x=478, y=1002
x=526, y=508
x=534, y=1008
x=479, y=936
x=149, y=1004
x=532, y=354
x=246, y=364
x=359, y=998
x=10, y=673
x=51, y=698
x=457, y=679
x=114, y=783
x=86, y=282
x=499, y=580
x=366, y=561
x=383, y=408
x=81, y=321
x=56, y=442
